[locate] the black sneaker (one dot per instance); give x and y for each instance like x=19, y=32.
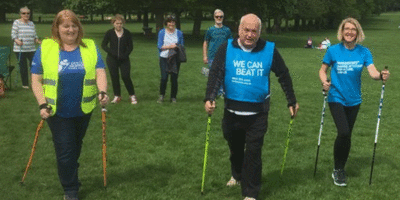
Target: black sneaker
x=339, y=177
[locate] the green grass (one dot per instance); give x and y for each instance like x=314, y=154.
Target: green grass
x=156, y=151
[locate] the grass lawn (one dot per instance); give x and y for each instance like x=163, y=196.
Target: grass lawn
x=155, y=151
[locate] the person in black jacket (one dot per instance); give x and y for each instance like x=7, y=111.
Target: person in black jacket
x=121, y=45
x=243, y=65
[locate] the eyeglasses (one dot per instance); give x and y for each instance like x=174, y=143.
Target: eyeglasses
x=219, y=17
x=25, y=13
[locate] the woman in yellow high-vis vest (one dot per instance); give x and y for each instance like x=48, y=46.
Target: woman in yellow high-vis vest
x=68, y=74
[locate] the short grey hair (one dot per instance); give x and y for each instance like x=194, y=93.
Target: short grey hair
x=259, y=22
x=218, y=11
x=24, y=8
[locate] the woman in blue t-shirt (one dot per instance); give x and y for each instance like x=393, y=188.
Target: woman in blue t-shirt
x=347, y=60
x=68, y=75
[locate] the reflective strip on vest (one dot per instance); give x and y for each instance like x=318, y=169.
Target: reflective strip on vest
x=90, y=82
x=49, y=82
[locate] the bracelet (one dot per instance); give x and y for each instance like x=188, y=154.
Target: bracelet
x=42, y=106
x=103, y=93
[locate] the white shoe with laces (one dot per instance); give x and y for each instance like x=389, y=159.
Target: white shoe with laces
x=249, y=198
x=133, y=99
x=116, y=99
x=232, y=182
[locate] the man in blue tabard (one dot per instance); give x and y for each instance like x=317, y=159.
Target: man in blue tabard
x=243, y=65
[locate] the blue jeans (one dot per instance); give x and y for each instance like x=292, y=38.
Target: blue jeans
x=68, y=134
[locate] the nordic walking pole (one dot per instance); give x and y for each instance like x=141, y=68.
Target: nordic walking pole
x=19, y=66
x=206, y=153
x=39, y=127
x=377, y=128
x=104, y=147
x=320, y=129
x=289, y=132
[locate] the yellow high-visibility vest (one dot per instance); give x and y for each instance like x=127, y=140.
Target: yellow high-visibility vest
x=50, y=56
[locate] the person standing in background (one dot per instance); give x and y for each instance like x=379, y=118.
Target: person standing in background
x=121, y=45
x=23, y=33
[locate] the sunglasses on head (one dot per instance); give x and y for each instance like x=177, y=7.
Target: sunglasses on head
x=219, y=17
x=25, y=13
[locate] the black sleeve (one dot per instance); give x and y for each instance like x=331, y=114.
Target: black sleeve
x=217, y=73
x=282, y=72
x=104, y=44
x=129, y=44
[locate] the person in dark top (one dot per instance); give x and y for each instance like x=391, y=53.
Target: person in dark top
x=120, y=46
x=243, y=66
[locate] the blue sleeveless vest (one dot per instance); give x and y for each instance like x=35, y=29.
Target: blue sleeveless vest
x=247, y=73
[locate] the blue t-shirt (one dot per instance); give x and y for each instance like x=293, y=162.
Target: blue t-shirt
x=70, y=82
x=215, y=37
x=346, y=67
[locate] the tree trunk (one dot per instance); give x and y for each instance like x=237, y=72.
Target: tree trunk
x=197, y=22
x=296, y=23
x=178, y=18
x=277, y=25
x=159, y=14
x=2, y=15
x=145, y=17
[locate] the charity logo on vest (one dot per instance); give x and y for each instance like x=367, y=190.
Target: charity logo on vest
x=248, y=68
x=347, y=66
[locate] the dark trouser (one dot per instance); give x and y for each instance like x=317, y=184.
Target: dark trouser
x=344, y=118
x=125, y=67
x=245, y=136
x=68, y=134
x=164, y=78
x=23, y=57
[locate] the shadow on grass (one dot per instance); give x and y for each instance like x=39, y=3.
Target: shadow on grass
x=149, y=178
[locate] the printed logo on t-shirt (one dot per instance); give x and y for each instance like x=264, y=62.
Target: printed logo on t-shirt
x=70, y=66
x=346, y=66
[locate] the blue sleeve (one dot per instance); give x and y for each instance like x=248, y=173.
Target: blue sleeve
x=328, y=57
x=207, y=36
x=36, y=67
x=180, y=38
x=100, y=62
x=368, y=57
x=160, y=42
x=230, y=34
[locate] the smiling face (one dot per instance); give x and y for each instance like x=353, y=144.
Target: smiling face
x=249, y=31
x=118, y=25
x=218, y=17
x=25, y=14
x=68, y=32
x=349, y=32
x=171, y=25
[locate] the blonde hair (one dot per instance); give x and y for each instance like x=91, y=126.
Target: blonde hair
x=118, y=17
x=60, y=18
x=360, y=33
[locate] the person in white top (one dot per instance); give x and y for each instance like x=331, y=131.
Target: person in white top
x=23, y=33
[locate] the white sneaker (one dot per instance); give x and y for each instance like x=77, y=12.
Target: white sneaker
x=116, y=99
x=232, y=182
x=133, y=99
x=249, y=198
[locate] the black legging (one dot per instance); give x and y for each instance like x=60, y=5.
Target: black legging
x=23, y=57
x=125, y=67
x=344, y=118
